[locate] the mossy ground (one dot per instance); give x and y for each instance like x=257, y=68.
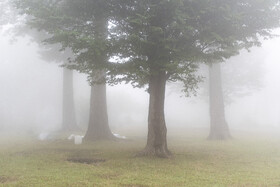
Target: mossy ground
x=253, y=161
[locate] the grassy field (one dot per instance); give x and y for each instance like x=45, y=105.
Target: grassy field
x=251, y=161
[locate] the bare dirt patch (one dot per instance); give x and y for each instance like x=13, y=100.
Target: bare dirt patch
x=86, y=160
x=135, y=185
x=7, y=179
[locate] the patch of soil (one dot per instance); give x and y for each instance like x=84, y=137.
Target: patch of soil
x=109, y=176
x=86, y=160
x=7, y=179
x=135, y=185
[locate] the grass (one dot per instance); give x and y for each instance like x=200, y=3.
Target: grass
x=196, y=162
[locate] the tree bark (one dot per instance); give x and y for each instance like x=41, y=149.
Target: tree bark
x=69, y=122
x=157, y=131
x=219, y=129
x=98, y=126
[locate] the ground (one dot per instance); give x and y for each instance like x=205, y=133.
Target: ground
x=250, y=161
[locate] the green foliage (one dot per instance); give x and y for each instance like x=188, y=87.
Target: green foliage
x=133, y=40
x=172, y=36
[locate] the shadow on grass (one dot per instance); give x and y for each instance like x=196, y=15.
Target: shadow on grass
x=7, y=179
x=86, y=160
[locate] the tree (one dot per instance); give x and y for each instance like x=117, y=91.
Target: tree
x=219, y=129
x=236, y=78
x=90, y=37
x=241, y=23
x=257, y=25
x=52, y=53
x=153, y=42
x=69, y=122
x=66, y=19
x=242, y=75
x=163, y=39
x=158, y=46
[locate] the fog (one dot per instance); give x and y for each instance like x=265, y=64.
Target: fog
x=31, y=94
x=130, y=93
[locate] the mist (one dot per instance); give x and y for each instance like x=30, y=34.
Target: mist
x=130, y=93
x=31, y=96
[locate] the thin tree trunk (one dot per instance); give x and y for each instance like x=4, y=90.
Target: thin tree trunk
x=219, y=129
x=157, y=131
x=98, y=127
x=69, y=118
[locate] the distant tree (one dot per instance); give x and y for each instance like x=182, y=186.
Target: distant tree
x=239, y=76
x=254, y=21
x=242, y=75
x=53, y=53
x=49, y=53
x=233, y=79
x=218, y=126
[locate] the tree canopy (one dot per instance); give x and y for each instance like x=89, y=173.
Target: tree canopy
x=151, y=42
x=169, y=35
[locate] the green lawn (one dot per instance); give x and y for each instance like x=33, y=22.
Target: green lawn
x=195, y=162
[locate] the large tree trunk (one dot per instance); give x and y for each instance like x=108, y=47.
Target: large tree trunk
x=219, y=129
x=98, y=126
x=68, y=118
x=157, y=131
